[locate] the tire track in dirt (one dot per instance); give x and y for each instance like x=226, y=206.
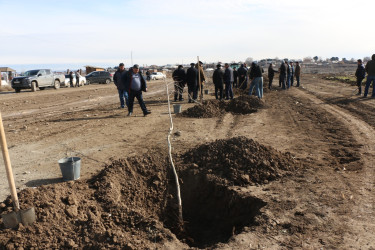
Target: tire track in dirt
x=362, y=184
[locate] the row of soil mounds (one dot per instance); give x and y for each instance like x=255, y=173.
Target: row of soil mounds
x=130, y=204
x=244, y=104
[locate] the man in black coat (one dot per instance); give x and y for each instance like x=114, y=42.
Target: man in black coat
x=179, y=77
x=283, y=72
x=235, y=76
x=242, y=74
x=360, y=74
x=271, y=74
x=119, y=79
x=217, y=78
x=192, y=82
x=228, y=80
x=135, y=84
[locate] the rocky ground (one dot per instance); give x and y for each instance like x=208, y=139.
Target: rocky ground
x=293, y=171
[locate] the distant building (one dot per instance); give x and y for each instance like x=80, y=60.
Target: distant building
x=90, y=69
x=7, y=75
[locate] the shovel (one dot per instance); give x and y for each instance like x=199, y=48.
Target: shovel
x=27, y=216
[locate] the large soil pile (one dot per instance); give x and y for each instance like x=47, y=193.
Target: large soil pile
x=240, y=161
x=122, y=207
x=244, y=104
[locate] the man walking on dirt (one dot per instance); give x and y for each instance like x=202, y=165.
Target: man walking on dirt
x=119, y=80
x=298, y=73
x=135, y=84
x=179, y=82
x=256, y=78
x=217, y=78
x=370, y=69
x=192, y=82
x=360, y=74
x=228, y=79
x=271, y=74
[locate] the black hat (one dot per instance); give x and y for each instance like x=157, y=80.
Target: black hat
x=192, y=64
x=218, y=66
x=200, y=63
x=180, y=66
x=121, y=64
x=136, y=66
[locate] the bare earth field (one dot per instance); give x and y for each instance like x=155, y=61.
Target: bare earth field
x=320, y=193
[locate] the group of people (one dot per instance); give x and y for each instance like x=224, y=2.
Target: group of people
x=361, y=75
x=71, y=78
x=287, y=73
x=130, y=85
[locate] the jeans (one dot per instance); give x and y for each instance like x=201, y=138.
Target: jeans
x=288, y=81
x=123, y=94
x=368, y=82
x=257, y=82
x=297, y=78
x=138, y=95
x=228, y=90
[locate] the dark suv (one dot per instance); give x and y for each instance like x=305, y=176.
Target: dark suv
x=99, y=77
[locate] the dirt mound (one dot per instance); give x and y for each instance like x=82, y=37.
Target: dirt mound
x=240, y=161
x=122, y=207
x=244, y=104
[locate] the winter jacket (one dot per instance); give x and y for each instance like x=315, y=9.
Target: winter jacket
x=218, y=78
x=283, y=69
x=298, y=70
x=271, y=72
x=360, y=73
x=228, y=75
x=370, y=68
x=242, y=72
x=235, y=75
x=288, y=72
x=179, y=76
x=192, y=77
x=203, y=79
x=128, y=80
x=119, y=79
x=255, y=71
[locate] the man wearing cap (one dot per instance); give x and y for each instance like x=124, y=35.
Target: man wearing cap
x=217, y=79
x=135, y=84
x=119, y=80
x=228, y=79
x=179, y=82
x=192, y=82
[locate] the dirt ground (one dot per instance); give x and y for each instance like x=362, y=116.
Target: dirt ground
x=321, y=133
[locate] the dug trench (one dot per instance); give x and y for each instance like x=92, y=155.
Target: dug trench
x=131, y=203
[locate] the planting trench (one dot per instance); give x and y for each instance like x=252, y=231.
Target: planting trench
x=131, y=203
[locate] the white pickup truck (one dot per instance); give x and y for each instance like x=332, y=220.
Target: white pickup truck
x=37, y=78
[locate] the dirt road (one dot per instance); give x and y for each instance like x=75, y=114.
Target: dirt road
x=329, y=202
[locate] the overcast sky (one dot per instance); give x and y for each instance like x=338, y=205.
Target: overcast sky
x=161, y=32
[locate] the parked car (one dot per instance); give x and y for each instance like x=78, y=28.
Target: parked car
x=99, y=77
x=37, y=78
x=157, y=76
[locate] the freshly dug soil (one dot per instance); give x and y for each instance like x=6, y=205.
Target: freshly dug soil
x=121, y=207
x=244, y=104
x=240, y=161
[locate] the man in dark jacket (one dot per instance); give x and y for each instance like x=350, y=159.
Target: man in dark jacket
x=77, y=78
x=71, y=78
x=370, y=70
x=360, y=74
x=291, y=73
x=298, y=73
x=192, y=82
x=217, y=78
x=235, y=76
x=201, y=77
x=119, y=79
x=228, y=80
x=242, y=77
x=135, y=84
x=179, y=77
x=256, y=78
x=271, y=74
x=283, y=73
x=288, y=74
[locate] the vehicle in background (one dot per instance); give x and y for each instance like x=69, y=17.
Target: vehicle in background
x=157, y=76
x=7, y=75
x=37, y=78
x=99, y=77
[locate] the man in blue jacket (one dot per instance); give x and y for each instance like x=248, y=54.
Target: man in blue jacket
x=135, y=84
x=360, y=74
